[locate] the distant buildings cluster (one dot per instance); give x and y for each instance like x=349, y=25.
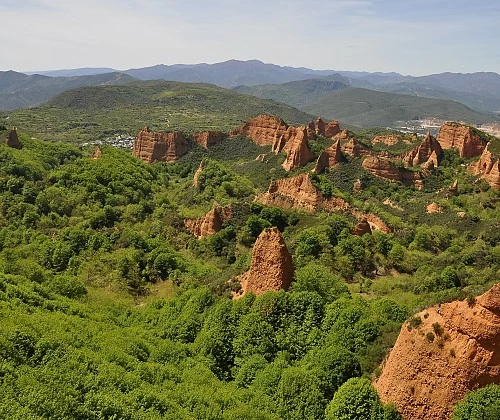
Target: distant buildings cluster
x=121, y=141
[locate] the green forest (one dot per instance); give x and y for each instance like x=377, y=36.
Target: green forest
x=111, y=309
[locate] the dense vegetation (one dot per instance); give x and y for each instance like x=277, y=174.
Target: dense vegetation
x=110, y=309
x=90, y=113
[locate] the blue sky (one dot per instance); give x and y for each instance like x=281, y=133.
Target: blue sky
x=410, y=37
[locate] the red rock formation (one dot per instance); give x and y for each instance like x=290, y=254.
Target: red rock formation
x=209, y=224
x=311, y=130
x=488, y=167
x=434, y=208
x=356, y=149
x=385, y=168
x=13, y=140
x=320, y=127
x=357, y=186
x=389, y=140
x=271, y=268
x=427, y=152
x=208, y=138
x=299, y=193
x=160, y=147
x=454, y=349
x=297, y=150
x=263, y=130
x=362, y=228
x=464, y=138
x=97, y=154
x=375, y=222
x=332, y=129
x=431, y=163
x=342, y=135
x=329, y=157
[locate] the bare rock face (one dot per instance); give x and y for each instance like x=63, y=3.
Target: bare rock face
x=271, y=268
x=13, y=140
x=299, y=193
x=97, y=154
x=434, y=208
x=150, y=146
x=356, y=149
x=488, y=167
x=332, y=129
x=297, y=149
x=208, y=138
x=362, y=228
x=454, y=349
x=209, y=224
x=357, y=186
x=311, y=130
x=342, y=135
x=320, y=127
x=329, y=158
x=459, y=136
x=428, y=152
x=263, y=129
x=385, y=168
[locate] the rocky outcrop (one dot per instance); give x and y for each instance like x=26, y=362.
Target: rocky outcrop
x=299, y=193
x=97, y=154
x=209, y=224
x=356, y=149
x=332, y=129
x=329, y=158
x=12, y=140
x=488, y=167
x=271, y=268
x=390, y=140
x=385, y=168
x=434, y=208
x=320, y=127
x=297, y=149
x=150, y=146
x=208, y=138
x=357, y=186
x=362, y=228
x=311, y=130
x=428, y=152
x=442, y=353
x=262, y=130
x=461, y=137
x=342, y=135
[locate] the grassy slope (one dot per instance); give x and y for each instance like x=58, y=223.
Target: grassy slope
x=88, y=113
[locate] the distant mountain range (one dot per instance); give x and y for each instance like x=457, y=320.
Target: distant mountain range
x=315, y=91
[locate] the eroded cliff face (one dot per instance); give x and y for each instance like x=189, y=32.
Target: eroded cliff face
x=263, y=129
x=385, y=168
x=208, y=138
x=455, y=349
x=151, y=146
x=362, y=228
x=209, y=224
x=332, y=129
x=390, y=140
x=12, y=140
x=299, y=193
x=271, y=268
x=356, y=149
x=459, y=136
x=488, y=167
x=297, y=150
x=329, y=157
x=428, y=153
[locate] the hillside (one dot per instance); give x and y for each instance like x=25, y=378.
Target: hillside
x=89, y=113
x=369, y=108
x=117, y=277
x=18, y=90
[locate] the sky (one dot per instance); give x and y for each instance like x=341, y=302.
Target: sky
x=410, y=37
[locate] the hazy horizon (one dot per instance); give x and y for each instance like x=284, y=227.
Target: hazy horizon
x=346, y=35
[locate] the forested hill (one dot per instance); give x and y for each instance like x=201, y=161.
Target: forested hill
x=110, y=308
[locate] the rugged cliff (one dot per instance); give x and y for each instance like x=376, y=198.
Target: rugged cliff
x=150, y=146
x=488, y=167
x=440, y=354
x=461, y=137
